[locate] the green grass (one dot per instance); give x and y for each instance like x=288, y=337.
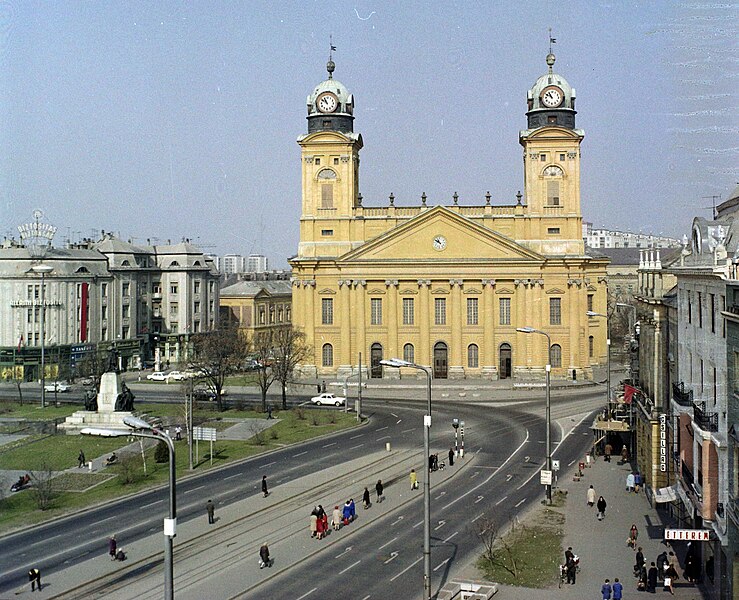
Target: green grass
x=58, y=452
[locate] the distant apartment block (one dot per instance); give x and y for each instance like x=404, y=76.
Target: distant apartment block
x=231, y=264
x=607, y=238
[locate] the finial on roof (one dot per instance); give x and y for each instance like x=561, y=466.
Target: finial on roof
x=550, y=57
x=331, y=65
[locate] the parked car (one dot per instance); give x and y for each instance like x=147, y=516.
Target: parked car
x=327, y=398
x=58, y=387
x=157, y=376
x=88, y=382
x=176, y=375
x=200, y=394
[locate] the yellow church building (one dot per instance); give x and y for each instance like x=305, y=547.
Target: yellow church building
x=447, y=286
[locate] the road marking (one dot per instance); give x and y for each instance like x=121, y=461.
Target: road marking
x=477, y=517
x=200, y=487
x=393, y=556
x=329, y=445
x=508, y=477
x=417, y=524
x=440, y=525
x=396, y=416
x=354, y=437
x=306, y=594
x=384, y=437
x=348, y=549
x=144, y=506
x=493, y=474
x=440, y=495
x=398, y=520
x=475, y=474
x=501, y=500
x=410, y=566
x=451, y=536
x=399, y=421
x=479, y=499
x=300, y=454
x=407, y=430
x=355, y=447
x=381, y=428
x=569, y=464
x=520, y=503
x=108, y=519
x=267, y=465
x=232, y=476
x=350, y=567
x=366, y=597
x=441, y=564
x=388, y=543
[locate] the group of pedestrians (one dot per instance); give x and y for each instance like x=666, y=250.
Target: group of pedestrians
x=663, y=569
x=319, y=522
x=633, y=482
x=600, y=504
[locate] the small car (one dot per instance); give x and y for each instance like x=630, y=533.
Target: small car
x=329, y=399
x=176, y=375
x=200, y=394
x=58, y=387
x=157, y=376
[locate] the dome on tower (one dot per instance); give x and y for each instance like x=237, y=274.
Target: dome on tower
x=551, y=100
x=330, y=105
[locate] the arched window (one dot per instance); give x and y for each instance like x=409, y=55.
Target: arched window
x=196, y=263
x=125, y=263
x=328, y=355
x=473, y=353
x=409, y=353
x=82, y=270
x=591, y=346
x=326, y=174
x=555, y=355
x=174, y=263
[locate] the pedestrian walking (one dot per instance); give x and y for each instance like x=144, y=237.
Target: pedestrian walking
x=633, y=534
x=652, y=579
x=630, y=482
x=606, y=590
x=571, y=569
x=637, y=481
x=379, y=489
x=607, y=451
x=336, y=518
x=618, y=589
x=451, y=457
x=320, y=523
x=81, y=460
x=670, y=575
x=366, y=498
x=264, y=486
x=352, y=509
x=34, y=577
x=639, y=564
x=323, y=386
x=264, y=556
x=624, y=454
x=431, y=462
x=591, y=496
x=178, y=433
x=661, y=564
x=601, y=508
x=414, y=480
x=211, y=509
x=318, y=388
x=112, y=545
x=314, y=522
x=346, y=513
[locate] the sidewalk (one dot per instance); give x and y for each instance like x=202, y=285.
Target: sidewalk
x=601, y=545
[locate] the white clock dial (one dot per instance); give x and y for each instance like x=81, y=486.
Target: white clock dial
x=552, y=97
x=327, y=102
x=439, y=242
x=553, y=171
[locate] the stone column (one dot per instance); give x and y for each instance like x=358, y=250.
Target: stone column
x=574, y=297
x=308, y=294
x=423, y=355
x=458, y=320
x=522, y=348
x=392, y=326
x=488, y=358
x=359, y=320
x=345, y=352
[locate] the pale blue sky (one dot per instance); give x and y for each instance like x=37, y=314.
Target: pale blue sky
x=179, y=119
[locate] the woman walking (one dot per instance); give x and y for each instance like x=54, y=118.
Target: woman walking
x=633, y=535
x=414, y=480
x=601, y=505
x=366, y=498
x=379, y=489
x=591, y=496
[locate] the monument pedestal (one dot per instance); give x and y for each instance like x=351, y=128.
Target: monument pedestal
x=106, y=416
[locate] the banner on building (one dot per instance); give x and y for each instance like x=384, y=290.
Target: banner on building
x=688, y=535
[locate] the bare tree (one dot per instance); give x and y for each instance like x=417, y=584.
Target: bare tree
x=263, y=352
x=290, y=350
x=498, y=549
x=43, y=486
x=218, y=354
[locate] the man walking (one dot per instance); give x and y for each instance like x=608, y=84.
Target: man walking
x=607, y=452
x=591, y=496
x=34, y=577
x=606, y=589
x=112, y=546
x=414, y=480
x=264, y=556
x=451, y=457
x=617, y=589
x=81, y=460
x=264, y=486
x=379, y=489
x=210, y=507
x=652, y=579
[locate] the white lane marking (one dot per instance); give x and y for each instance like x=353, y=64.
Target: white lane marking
x=441, y=524
x=384, y=437
x=520, y=503
x=441, y=564
x=232, y=476
x=350, y=567
x=300, y=454
x=410, y=566
x=451, y=536
x=388, y=543
x=441, y=495
x=396, y=416
x=200, y=487
x=108, y=519
x=479, y=499
x=354, y=437
x=508, y=477
x=475, y=474
x=329, y=445
x=399, y=421
x=355, y=447
x=306, y=594
x=348, y=549
x=501, y=500
x=382, y=428
x=398, y=520
x=569, y=464
x=268, y=465
x=494, y=473
x=144, y=506
x=477, y=517
x=366, y=597
x=417, y=524
x=407, y=430
x=393, y=556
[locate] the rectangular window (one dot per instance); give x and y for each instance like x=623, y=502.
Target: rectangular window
x=125, y=287
x=591, y=346
x=173, y=289
x=29, y=315
x=408, y=312
x=722, y=306
x=196, y=288
x=104, y=290
x=103, y=312
x=440, y=311
x=36, y=290
x=590, y=302
x=561, y=157
x=124, y=333
x=125, y=311
x=336, y=161
x=553, y=193
x=713, y=312
x=553, y=230
x=327, y=311
x=555, y=311
x=700, y=310
x=327, y=195
x=173, y=308
x=29, y=292
x=376, y=311
x=690, y=309
x=505, y=311
x=156, y=288
x=327, y=232
x=196, y=307
x=318, y=161
x=543, y=157
x=472, y=311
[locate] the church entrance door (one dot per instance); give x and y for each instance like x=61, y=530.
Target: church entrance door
x=440, y=361
x=375, y=358
x=505, y=361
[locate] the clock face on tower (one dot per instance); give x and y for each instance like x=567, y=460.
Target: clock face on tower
x=552, y=96
x=439, y=243
x=327, y=102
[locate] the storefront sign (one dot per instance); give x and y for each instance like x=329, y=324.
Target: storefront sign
x=688, y=535
x=663, y=443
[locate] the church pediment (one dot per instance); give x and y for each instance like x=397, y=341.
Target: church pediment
x=473, y=291
x=441, y=235
x=326, y=291
x=555, y=291
x=504, y=290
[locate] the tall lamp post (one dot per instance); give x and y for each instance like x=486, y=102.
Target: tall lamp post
x=548, y=404
x=592, y=314
x=396, y=362
x=141, y=428
x=43, y=270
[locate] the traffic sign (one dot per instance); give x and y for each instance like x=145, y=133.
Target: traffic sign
x=555, y=465
x=546, y=477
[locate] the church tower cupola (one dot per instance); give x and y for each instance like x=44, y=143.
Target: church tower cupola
x=330, y=105
x=551, y=101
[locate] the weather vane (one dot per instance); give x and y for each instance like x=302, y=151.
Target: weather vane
x=551, y=40
x=331, y=46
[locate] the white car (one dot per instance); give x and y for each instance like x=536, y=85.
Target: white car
x=176, y=375
x=57, y=386
x=326, y=398
x=157, y=376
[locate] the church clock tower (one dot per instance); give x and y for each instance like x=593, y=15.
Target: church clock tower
x=330, y=170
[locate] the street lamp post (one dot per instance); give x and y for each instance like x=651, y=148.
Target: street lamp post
x=396, y=362
x=591, y=314
x=548, y=404
x=142, y=429
x=43, y=270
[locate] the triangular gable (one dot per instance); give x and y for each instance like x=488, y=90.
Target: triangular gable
x=555, y=291
x=408, y=292
x=464, y=241
x=440, y=291
x=376, y=291
x=503, y=291
x=473, y=291
x=327, y=291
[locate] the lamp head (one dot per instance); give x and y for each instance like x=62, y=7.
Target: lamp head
x=525, y=329
x=42, y=268
x=100, y=432
x=592, y=313
x=396, y=362
x=136, y=423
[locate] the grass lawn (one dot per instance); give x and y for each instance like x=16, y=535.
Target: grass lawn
x=58, y=452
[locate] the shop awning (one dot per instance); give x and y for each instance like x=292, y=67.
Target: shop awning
x=666, y=494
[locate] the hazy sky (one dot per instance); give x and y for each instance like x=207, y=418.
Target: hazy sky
x=179, y=119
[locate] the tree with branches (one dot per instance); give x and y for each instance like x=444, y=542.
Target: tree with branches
x=263, y=353
x=290, y=350
x=218, y=354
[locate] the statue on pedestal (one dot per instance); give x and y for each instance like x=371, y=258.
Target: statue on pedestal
x=91, y=399
x=124, y=402
x=112, y=366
